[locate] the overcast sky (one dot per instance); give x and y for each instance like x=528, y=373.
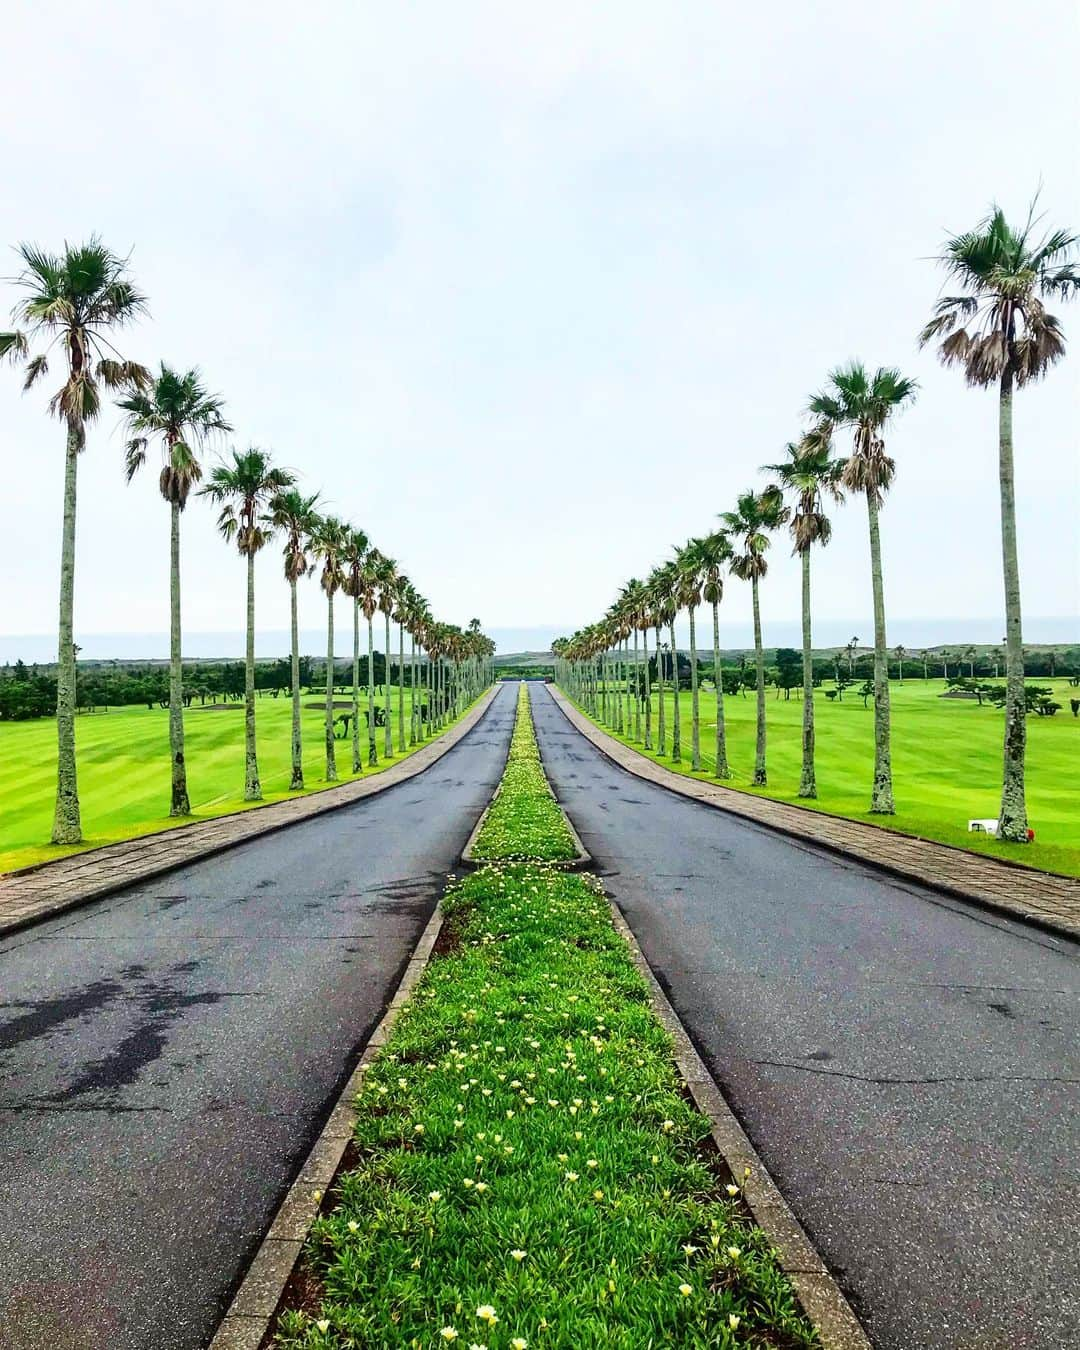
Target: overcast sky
x=530, y=290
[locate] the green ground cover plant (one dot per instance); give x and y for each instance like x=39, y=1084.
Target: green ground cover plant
x=524, y=820
x=124, y=770
x=946, y=756
x=531, y=1173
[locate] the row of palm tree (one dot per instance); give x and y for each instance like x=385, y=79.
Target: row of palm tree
x=74, y=302
x=997, y=330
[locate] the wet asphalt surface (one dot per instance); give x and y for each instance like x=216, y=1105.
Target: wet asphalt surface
x=168, y=1055
x=907, y=1065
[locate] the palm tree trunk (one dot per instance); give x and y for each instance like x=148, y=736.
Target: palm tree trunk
x=401, y=690
x=181, y=806
x=760, y=778
x=297, y=782
x=808, y=781
x=695, y=710
x=722, y=770
x=331, y=757
x=881, y=799
x=413, y=704
x=661, y=738
x=676, y=719
x=388, y=737
x=67, y=821
x=637, y=689
x=648, y=688
x=372, y=754
x=252, y=787
x=357, y=758
x=1012, y=818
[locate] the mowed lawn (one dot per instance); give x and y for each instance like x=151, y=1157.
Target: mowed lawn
x=946, y=762
x=123, y=760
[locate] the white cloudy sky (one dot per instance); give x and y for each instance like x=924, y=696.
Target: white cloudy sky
x=530, y=290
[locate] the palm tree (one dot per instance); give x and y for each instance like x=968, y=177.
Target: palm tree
x=329, y=543
x=298, y=519
x=403, y=593
x=690, y=562
x=73, y=300
x=998, y=332
x=865, y=402
x=368, y=583
x=353, y=557
x=900, y=652
x=244, y=489
x=387, y=575
x=177, y=409
x=755, y=514
x=715, y=554
x=969, y=657
x=809, y=474
x=667, y=579
x=656, y=593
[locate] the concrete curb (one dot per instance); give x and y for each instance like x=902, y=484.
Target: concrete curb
x=255, y=1304
x=1047, y=900
x=29, y=896
x=836, y=1324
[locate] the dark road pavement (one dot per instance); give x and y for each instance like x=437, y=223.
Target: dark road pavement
x=907, y=1066
x=168, y=1054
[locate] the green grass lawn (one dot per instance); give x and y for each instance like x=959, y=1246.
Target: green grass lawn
x=946, y=763
x=123, y=759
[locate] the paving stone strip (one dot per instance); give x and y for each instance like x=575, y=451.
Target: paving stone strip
x=1045, y=897
x=52, y=887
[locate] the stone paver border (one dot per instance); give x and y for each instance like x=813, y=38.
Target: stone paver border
x=50, y=888
x=1047, y=899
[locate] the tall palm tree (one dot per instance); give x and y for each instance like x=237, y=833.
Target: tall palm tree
x=900, y=652
x=690, y=566
x=667, y=580
x=808, y=475
x=755, y=514
x=854, y=398
x=656, y=593
x=329, y=543
x=73, y=300
x=387, y=575
x=353, y=557
x=297, y=517
x=715, y=554
x=403, y=593
x=368, y=583
x=999, y=332
x=177, y=410
x=244, y=490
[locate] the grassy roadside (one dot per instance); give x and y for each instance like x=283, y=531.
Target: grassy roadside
x=946, y=764
x=531, y=1172
x=524, y=820
x=123, y=762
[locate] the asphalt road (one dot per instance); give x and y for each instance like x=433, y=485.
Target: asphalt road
x=168, y=1055
x=907, y=1066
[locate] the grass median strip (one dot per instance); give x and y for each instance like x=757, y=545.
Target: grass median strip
x=531, y=1172
x=524, y=819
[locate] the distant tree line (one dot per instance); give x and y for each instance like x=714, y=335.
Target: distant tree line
x=30, y=691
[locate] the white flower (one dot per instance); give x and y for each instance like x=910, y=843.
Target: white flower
x=486, y=1313
x=686, y=1290
x=448, y=1334
x=323, y=1324
x=733, y=1321
x=518, y=1254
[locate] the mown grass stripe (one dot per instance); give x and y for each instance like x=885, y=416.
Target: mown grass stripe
x=524, y=820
